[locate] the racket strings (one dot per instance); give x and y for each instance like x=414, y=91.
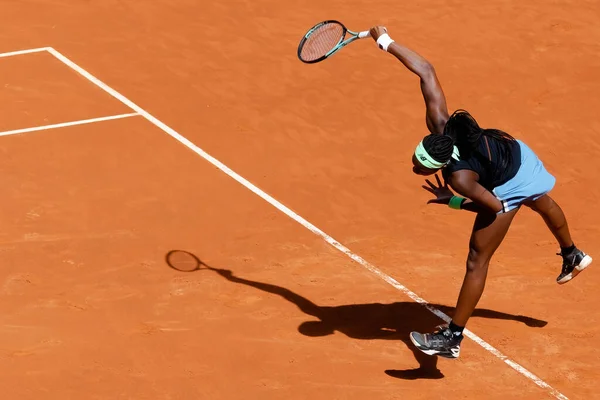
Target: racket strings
x=321, y=41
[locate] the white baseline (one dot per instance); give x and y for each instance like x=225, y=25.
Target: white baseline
x=65, y=124
x=21, y=52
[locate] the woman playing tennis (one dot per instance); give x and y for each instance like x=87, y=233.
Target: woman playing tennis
x=494, y=174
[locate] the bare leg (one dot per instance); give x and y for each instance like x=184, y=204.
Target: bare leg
x=554, y=218
x=488, y=232
x=574, y=260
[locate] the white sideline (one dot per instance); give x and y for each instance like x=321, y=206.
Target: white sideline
x=517, y=367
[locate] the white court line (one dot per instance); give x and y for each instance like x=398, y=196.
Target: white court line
x=65, y=124
x=20, y=52
x=538, y=381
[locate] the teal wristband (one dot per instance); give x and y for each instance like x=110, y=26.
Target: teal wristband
x=456, y=202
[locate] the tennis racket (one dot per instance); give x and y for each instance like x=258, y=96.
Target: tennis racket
x=324, y=40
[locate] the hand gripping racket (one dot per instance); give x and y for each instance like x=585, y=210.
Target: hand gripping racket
x=324, y=40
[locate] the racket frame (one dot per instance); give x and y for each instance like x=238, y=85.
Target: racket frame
x=340, y=45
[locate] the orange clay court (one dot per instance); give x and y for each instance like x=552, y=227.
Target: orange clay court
x=101, y=179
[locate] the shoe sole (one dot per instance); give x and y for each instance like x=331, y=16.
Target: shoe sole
x=433, y=352
x=587, y=260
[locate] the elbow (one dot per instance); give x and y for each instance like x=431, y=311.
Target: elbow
x=426, y=70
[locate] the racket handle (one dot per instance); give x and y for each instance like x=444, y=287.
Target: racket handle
x=363, y=34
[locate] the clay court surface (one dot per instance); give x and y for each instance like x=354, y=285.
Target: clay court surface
x=89, y=308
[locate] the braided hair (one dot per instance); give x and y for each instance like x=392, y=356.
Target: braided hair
x=439, y=147
x=463, y=131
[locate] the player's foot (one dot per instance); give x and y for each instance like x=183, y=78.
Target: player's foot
x=441, y=343
x=573, y=263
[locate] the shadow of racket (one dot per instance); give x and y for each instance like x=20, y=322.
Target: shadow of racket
x=184, y=261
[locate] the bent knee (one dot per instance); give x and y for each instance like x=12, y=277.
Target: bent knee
x=477, y=262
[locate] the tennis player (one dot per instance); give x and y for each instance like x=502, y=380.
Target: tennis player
x=494, y=175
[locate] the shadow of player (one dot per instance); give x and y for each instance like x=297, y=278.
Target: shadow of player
x=393, y=321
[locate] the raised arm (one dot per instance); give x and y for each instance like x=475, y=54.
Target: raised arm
x=435, y=101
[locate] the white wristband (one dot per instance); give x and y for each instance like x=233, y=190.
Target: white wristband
x=384, y=41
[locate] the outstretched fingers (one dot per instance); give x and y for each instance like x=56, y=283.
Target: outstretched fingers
x=430, y=190
x=431, y=185
x=439, y=181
